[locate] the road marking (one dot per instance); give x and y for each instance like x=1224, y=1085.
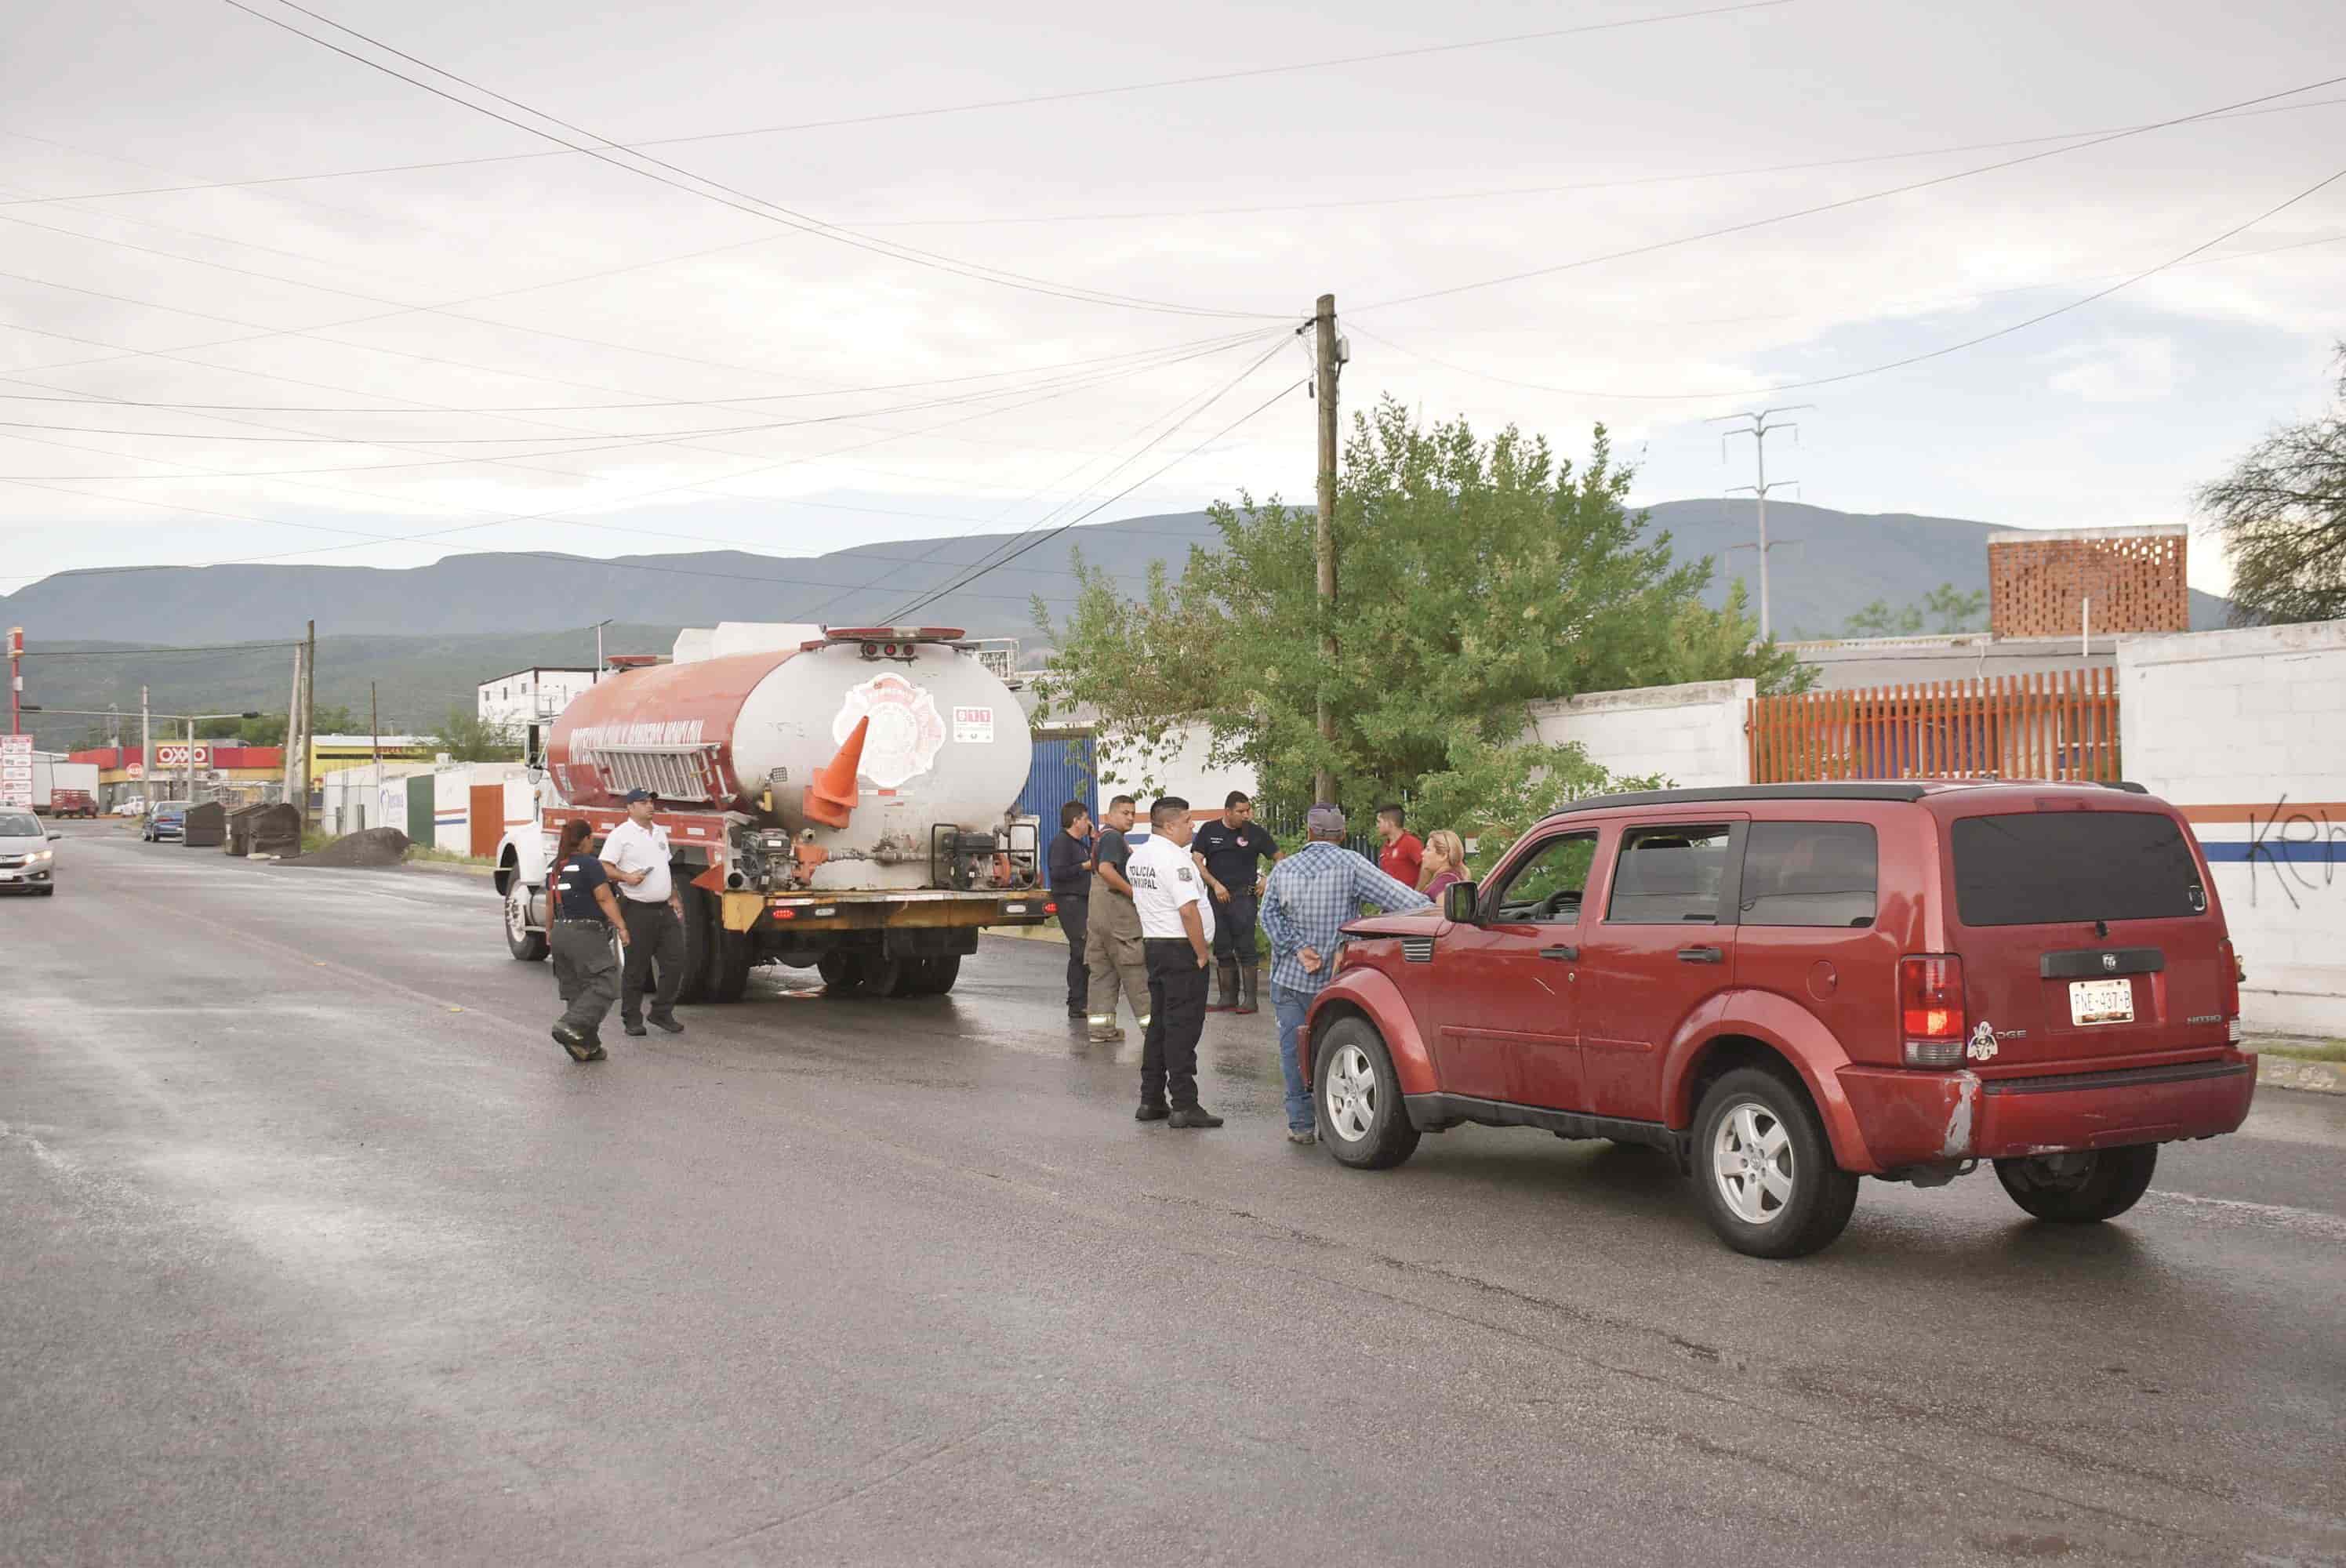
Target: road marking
x=2274, y=1214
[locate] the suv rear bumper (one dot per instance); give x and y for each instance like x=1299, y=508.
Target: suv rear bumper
x=1917, y=1118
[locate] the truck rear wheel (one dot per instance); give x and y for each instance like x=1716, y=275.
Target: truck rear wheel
x=699, y=942
x=842, y=970
x=735, y=953
x=935, y=976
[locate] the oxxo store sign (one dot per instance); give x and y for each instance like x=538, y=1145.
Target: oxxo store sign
x=174, y=754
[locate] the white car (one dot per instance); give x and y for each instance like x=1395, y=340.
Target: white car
x=27, y=861
x=133, y=808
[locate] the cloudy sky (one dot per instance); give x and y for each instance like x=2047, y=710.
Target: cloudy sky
x=900, y=273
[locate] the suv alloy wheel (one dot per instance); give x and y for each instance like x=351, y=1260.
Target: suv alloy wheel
x=1766, y=1172
x=1361, y=1118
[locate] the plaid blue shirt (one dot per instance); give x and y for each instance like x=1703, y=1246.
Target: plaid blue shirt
x=1312, y=893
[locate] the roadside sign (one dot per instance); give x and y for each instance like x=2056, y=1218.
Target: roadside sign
x=17, y=771
x=136, y=771
x=174, y=754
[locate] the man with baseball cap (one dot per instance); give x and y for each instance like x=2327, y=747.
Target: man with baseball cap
x=635, y=854
x=1311, y=895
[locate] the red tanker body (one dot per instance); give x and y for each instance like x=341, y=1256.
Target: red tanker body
x=839, y=799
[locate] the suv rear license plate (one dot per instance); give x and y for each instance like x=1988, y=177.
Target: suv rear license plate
x=2101, y=1002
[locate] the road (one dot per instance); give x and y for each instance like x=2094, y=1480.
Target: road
x=317, y=1249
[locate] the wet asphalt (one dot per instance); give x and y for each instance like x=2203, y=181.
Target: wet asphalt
x=316, y=1249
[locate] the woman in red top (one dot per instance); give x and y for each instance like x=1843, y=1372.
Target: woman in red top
x=1445, y=862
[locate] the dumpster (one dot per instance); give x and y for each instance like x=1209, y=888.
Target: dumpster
x=238, y=839
x=206, y=826
x=274, y=830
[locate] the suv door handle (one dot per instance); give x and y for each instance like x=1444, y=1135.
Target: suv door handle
x=1569, y=954
x=1701, y=955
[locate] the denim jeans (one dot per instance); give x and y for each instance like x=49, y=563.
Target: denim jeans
x=1288, y=1007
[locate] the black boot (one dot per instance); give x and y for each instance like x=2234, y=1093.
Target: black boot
x=1226, y=987
x=1193, y=1117
x=1152, y=1111
x=1247, y=992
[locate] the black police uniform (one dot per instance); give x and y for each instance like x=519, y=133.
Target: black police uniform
x=1070, y=862
x=1232, y=856
x=586, y=971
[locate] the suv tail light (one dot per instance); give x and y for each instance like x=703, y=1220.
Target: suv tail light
x=2227, y=988
x=1931, y=1010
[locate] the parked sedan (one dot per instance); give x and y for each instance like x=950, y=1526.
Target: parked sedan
x=167, y=820
x=28, y=864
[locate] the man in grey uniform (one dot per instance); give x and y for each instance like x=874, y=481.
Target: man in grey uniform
x=1112, y=946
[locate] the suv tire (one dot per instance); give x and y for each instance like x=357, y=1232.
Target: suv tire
x=2110, y=1183
x=1769, y=1186
x=1358, y=1099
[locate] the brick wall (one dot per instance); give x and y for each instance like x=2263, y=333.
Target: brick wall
x=2246, y=731
x=2135, y=577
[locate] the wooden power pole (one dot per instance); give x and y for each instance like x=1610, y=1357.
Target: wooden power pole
x=308, y=715
x=1324, y=359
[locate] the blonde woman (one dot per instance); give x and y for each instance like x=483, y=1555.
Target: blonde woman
x=1445, y=862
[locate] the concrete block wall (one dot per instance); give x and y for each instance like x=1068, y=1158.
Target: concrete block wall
x=2246, y=731
x=1692, y=736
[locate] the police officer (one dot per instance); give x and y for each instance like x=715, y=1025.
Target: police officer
x=1112, y=946
x=1177, y=931
x=1070, y=861
x=1227, y=849
x=584, y=916
x=635, y=854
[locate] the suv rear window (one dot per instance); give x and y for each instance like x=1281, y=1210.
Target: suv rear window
x=2047, y=868
x=1808, y=873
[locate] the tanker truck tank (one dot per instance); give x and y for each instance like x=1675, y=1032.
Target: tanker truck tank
x=943, y=755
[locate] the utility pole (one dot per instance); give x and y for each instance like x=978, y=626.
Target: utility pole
x=145, y=748
x=293, y=726
x=374, y=731
x=1760, y=426
x=1328, y=355
x=16, y=679
x=309, y=716
x=191, y=762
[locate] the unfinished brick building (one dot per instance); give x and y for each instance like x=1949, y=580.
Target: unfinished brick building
x=2038, y=581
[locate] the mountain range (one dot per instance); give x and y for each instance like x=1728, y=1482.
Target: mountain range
x=424, y=636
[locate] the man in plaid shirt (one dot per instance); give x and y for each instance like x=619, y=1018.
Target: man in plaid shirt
x=1312, y=893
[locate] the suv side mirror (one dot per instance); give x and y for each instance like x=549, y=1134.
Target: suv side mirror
x=55, y=837
x=1459, y=901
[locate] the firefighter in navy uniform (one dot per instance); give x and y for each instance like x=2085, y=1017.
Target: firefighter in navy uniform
x=1230, y=850
x=581, y=917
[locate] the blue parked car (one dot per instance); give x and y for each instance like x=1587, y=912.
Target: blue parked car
x=168, y=819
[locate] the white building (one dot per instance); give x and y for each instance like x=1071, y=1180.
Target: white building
x=532, y=695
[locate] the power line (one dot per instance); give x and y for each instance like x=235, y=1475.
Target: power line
x=756, y=206
x=1062, y=528
x=1811, y=211
x=126, y=653
x=970, y=107
x=1937, y=354
x=1180, y=414
x=523, y=517
x=1506, y=192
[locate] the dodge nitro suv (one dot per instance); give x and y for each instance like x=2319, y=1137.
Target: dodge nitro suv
x=1787, y=987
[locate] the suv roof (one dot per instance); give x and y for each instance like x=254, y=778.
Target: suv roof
x=1877, y=790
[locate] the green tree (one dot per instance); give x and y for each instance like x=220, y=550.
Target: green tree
x=1946, y=609
x=467, y=738
x=2281, y=515
x=1479, y=577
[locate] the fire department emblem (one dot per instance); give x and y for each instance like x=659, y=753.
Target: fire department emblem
x=906, y=732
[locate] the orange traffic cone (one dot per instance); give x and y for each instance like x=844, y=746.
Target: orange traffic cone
x=832, y=796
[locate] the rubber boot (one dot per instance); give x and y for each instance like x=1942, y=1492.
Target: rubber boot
x=1226, y=987
x=1247, y=992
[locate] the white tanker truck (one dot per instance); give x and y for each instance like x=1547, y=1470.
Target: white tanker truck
x=836, y=797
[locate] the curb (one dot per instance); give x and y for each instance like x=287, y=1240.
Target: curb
x=450, y=868
x=2292, y=1073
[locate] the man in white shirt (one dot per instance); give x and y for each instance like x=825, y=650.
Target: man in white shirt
x=636, y=854
x=1176, y=939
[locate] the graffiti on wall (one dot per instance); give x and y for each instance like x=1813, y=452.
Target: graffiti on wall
x=2300, y=849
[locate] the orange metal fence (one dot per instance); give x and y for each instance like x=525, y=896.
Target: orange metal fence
x=2057, y=725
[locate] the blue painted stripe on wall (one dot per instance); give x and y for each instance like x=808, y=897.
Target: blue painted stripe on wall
x=2275, y=851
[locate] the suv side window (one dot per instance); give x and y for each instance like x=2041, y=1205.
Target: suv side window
x=1809, y=874
x=1669, y=876
x=1547, y=888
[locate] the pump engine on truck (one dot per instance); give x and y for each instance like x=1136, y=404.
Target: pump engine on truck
x=842, y=799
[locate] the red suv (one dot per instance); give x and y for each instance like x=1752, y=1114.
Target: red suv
x=1787, y=987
